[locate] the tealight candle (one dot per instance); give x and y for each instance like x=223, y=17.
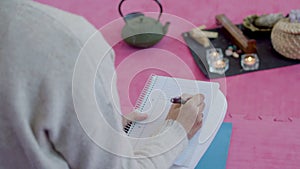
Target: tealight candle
x=249, y=61
x=213, y=54
x=219, y=66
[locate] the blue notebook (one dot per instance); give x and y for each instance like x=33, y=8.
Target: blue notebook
x=215, y=156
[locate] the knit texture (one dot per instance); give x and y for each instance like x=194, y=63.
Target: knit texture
x=40, y=128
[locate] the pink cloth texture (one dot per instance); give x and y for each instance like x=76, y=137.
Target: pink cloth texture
x=263, y=106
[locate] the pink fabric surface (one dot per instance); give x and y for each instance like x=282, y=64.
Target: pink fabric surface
x=263, y=106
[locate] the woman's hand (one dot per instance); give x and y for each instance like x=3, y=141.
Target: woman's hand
x=189, y=115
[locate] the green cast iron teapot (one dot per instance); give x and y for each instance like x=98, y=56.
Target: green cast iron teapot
x=141, y=31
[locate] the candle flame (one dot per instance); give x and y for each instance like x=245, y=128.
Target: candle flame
x=214, y=53
x=249, y=58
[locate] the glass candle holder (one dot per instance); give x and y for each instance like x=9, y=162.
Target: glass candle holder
x=249, y=61
x=219, y=66
x=213, y=54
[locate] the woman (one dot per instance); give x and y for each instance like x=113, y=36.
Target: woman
x=43, y=121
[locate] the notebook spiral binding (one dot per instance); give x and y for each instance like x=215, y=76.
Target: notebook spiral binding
x=141, y=101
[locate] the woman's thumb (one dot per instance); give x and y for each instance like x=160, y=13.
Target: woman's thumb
x=139, y=116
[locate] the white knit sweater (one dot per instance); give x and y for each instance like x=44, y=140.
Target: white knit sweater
x=48, y=123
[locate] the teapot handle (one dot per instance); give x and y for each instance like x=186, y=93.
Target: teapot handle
x=157, y=1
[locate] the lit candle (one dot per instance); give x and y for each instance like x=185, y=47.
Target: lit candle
x=249, y=60
x=214, y=54
x=219, y=64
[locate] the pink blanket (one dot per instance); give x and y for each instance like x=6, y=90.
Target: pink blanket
x=263, y=106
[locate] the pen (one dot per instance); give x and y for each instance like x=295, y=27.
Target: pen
x=178, y=100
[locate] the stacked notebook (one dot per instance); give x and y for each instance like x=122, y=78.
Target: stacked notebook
x=155, y=100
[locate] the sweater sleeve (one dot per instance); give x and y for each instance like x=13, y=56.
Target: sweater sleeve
x=171, y=133
x=58, y=129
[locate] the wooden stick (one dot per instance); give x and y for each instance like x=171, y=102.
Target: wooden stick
x=236, y=35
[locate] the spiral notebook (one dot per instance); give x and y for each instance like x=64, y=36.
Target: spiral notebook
x=155, y=101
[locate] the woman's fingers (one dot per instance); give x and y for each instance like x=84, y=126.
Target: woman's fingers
x=199, y=119
x=196, y=99
x=201, y=107
x=136, y=116
x=189, y=114
x=186, y=97
x=140, y=116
